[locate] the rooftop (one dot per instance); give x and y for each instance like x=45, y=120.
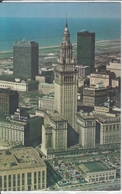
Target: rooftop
x=19, y=158
x=94, y=166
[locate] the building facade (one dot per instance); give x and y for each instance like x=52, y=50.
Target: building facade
x=21, y=129
x=86, y=49
x=103, y=78
x=8, y=100
x=21, y=169
x=65, y=98
x=46, y=102
x=54, y=133
x=86, y=128
x=108, y=129
x=25, y=59
x=94, y=96
x=83, y=71
x=115, y=67
x=96, y=172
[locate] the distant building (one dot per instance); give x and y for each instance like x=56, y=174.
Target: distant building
x=40, y=79
x=46, y=88
x=86, y=49
x=94, y=96
x=83, y=71
x=21, y=129
x=115, y=67
x=86, y=128
x=46, y=102
x=21, y=169
x=19, y=85
x=25, y=59
x=8, y=100
x=96, y=172
x=116, y=82
x=96, y=78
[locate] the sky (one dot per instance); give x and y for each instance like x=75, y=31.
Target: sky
x=58, y=9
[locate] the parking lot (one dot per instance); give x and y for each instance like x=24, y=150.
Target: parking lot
x=72, y=179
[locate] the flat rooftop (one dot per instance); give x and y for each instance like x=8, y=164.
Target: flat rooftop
x=94, y=167
x=19, y=158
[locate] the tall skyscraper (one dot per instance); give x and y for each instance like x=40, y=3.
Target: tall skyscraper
x=65, y=99
x=86, y=49
x=25, y=59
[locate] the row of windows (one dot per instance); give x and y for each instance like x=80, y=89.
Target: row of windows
x=14, y=180
x=11, y=126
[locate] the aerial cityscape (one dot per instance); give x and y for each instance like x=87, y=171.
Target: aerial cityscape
x=60, y=97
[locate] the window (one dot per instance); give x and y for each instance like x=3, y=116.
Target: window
x=14, y=180
x=39, y=177
x=23, y=178
x=5, y=183
x=9, y=180
x=0, y=182
x=29, y=178
x=18, y=179
x=34, y=177
x=43, y=176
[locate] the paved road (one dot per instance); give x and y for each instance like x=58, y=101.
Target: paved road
x=100, y=186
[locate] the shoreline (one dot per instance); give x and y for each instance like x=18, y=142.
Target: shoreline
x=74, y=44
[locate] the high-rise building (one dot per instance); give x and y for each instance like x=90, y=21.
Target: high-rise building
x=25, y=59
x=65, y=98
x=86, y=49
x=8, y=100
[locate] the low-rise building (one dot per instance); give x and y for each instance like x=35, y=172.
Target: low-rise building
x=46, y=102
x=103, y=78
x=114, y=66
x=46, y=88
x=86, y=128
x=19, y=85
x=21, y=169
x=96, y=172
x=83, y=71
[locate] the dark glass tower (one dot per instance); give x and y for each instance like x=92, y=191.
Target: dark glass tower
x=25, y=59
x=86, y=49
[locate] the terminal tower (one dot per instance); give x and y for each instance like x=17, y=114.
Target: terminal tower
x=66, y=81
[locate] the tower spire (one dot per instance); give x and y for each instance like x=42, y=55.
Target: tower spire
x=66, y=20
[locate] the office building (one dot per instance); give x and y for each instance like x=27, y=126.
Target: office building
x=25, y=59
x=8, y=101
x=46, y=102
x=96, y=172
x=114, y=66
x=46, y=88
x=86, y=49
x=108, y=129
x=86, y=128
x=54, y=133
x=65, y=97
x=83, y=71
x=94, y=96
x=18, y=84
x=21, y=169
